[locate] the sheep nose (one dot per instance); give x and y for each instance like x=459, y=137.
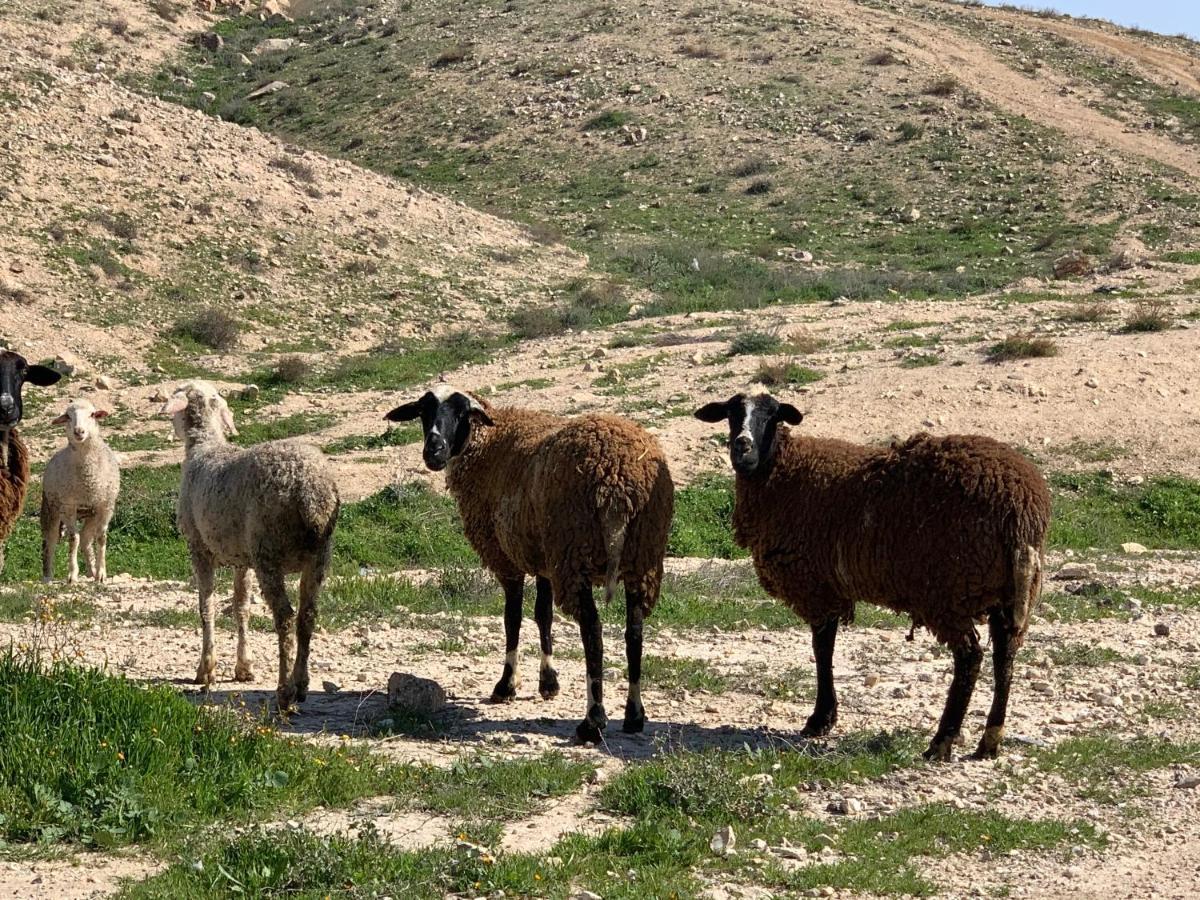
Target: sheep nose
x=742, y=444
x=80, y=433
x=435, y=443
x=7, y=403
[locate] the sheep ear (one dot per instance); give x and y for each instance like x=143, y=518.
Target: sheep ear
x=227, y=418
x=712, y=412
x=405, y=413
x=478, y=413
x=177, y=403
x=61, y=420
x=100, y=414
x=42, y=376
x=789, y=414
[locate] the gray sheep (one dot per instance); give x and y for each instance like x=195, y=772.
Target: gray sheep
x=272, y=508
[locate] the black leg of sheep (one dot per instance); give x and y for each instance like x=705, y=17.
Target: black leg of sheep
x=967, y=659
x=589, y=730
x=1005, y=643
x=514, y=599
x=635, y=713
x=543, y=613
x=824, y=717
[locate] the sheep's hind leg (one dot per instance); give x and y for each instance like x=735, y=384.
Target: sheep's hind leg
x=242, y=670
x=514, y=598
x=311, y=580
x=87, y=546
x=72, y=549
x=635, y=713
x=543, y=613
x=967, y=658
x=275, y=592
x=824, y=717
x=50, y=535
x=207, y=670
x=1004, y=649
x=589, y=730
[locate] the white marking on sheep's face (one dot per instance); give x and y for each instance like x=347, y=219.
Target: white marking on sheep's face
x=81, y=421
x=445, y=415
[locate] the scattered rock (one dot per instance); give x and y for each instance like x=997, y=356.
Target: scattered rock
x=585, y=895
x=1132, y=547
x=158, y=397
x=273, y=45
x=1162, y=629
x=415, y=694
x=1075, y=571
x=1072, y=265
x=723, y=841
x=871, y=680
x=210, y=41
x=846, y=806
x=271, y=87
x=104, y=383
x=331, y=687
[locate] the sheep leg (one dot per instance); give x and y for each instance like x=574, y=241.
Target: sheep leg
x=589, y=730
x=275, y=593
x=543, y=613
x=514, y=597
x=206, y=671
x=100, y=550
x=967, y=658
x=87, y=545
x=73, y=549
x=824, y=717
x=50, y=535
x=635, y=713
x=311, y=580
x=242, y=670
x=1004, y=649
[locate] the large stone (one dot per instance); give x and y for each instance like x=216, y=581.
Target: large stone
x=414, y=694
x=272, y=87
x=273, y=45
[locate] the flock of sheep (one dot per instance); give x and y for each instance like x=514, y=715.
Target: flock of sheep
x=948, y=530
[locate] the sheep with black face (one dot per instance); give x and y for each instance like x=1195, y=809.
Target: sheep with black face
x=15, y=373
x=574, y=502
x=949, y=530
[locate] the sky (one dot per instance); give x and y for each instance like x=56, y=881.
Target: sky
x=1165, y=16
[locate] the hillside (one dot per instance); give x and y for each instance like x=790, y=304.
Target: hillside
x=904, y=215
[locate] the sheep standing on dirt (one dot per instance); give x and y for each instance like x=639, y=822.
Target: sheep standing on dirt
x=272, y=508
x=81, y=483
x=949, y=530
x=15, y=371
x=574, y=502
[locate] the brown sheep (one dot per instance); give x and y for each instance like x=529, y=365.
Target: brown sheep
x=14, y=455
x=575, y=502
x=949, y=530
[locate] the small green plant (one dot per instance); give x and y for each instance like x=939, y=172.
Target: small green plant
x=760, y=186
x=297, y=168
x=452, y=55
x=210, y=327
x=946, y=86
x=1149, y=316
x=1087, y=313
x=785, y=372
x=1021, y=346
x=754, y=343
x=910, y=131
x=920, y=361
x=607, y=121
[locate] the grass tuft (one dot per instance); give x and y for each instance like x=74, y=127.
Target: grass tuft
x=1021, y=346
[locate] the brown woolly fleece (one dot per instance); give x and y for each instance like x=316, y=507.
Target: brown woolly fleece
x=578, y=501
x=939, y=528
x=14, y=482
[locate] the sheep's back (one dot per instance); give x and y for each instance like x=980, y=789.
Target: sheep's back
x=276, y=501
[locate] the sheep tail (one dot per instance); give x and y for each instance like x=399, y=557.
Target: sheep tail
x=1027, y=585
x=616, y=527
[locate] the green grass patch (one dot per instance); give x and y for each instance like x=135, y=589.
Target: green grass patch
x=1086, y=655
x=1100, y=765
x=674, y=673
x=703, y=516
x=1092, y=510
x=785, y=373
x=400, y=527
x=400, y=436
x=395, y=367
x=297, y=424
x=1021, y=346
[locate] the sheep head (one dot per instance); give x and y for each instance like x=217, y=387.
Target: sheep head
x=82, y=420
x=197, y=407
x=15, y=372
x=753, y=421
x=447, y=416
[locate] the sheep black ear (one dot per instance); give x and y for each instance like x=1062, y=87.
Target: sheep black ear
x=712, y=412
x=789, y=414
x=478, y=415
x=405, y=413
x=42, y=376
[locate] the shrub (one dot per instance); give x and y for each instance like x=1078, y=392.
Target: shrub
x=752, y=343
x=751, y=165
x=291, y=370
x=453, y=54
x=701, y=51
x=785, y=372
x=760, y=186
x=910, y=131
x=167, y=9
x=211, y=327
x=607, y=120
x=1148, y=316
x=942, y=87
x=299, y=169
x=883, y=58
x=1092, y=311
x=1021, y=346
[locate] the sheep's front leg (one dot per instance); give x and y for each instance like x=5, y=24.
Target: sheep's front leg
x=967, y=658
x=514, y=598
x=87, y=546
x=1005, y=643
x=206, y=671
x=589, y=730
x=824, y=717
x=73, y=547
x=100, y=550
x=50, y=534
x=635, y=713
x=311, y=580
x=275, y=593
x=543, y=613
x=242, y=670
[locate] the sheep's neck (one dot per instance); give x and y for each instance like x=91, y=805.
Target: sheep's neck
x=199, y=439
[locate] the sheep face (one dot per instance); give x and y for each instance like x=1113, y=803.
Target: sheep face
x=14, y=373
x=197, y=408
x=82, y=421
x=753, y=420
x=446, y=417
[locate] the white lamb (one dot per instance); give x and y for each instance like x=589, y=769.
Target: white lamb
x=81, y=484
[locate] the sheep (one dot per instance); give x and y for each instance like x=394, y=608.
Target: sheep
x=574, y=502
x=950, y=530
x=272, y=508
x=81, y=481
x=15, y=371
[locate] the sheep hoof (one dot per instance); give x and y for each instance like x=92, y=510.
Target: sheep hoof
x=819, y=724
x=206, y=673
x=505, y=691
x=939, y=750
x=243, y=672
x=635, y=720
x=301, y=691
x=589, y=730
x=548, y=684
x=285, y=698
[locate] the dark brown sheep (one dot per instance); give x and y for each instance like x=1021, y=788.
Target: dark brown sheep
x=574, y=502
x=14, y=455
x=949, y=530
